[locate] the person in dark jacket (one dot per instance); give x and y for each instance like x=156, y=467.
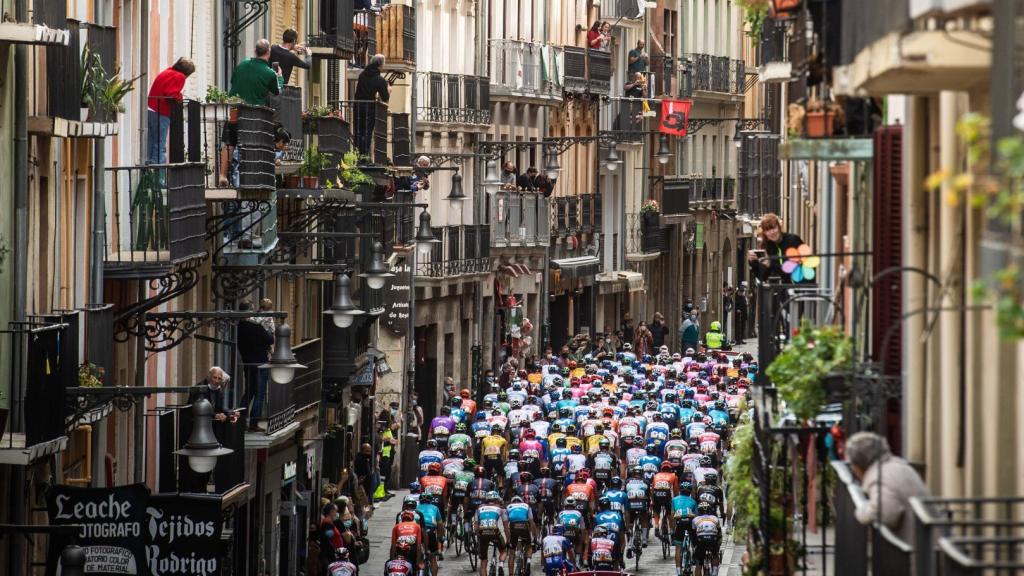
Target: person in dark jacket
x=659, y=331
x=528, y=181
x=285, y=54
x=254, y=344
x=370, y=87
x=214, y=385
x=767, y=262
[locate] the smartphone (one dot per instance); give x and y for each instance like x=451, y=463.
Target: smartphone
x=276, y=67
x=760, y=253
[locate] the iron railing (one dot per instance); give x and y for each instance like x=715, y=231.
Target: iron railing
x=155, y=215
x=525, y=68
x=396, y=34
x=366, y=127
x=713, y=74
x=331, y=25
x=453, y=98
x=571, y=215
x=364, y=37
x=51, y=96
x=876, y=547
x=278, y=407
x=644, y=235
x=759, y=174
x=720, y=81
x=237, y=144
x=772, y=47
x=738, y=74
x=307, y=382
x=587, y=70
x=961, y=536
x=630, y=118
x=519, y=219
x=462, y=250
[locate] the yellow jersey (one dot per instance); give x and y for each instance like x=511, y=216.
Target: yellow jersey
x=494, y=447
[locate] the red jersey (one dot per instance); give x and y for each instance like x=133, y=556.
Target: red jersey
x=469, y=406
x=664, y=485
x=166, y=85
x=406, y=533
x=581, y=489
x=436, y=485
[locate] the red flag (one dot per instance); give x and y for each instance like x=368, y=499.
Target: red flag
x=675, y=117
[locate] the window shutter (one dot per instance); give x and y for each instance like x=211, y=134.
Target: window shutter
x=886, y=297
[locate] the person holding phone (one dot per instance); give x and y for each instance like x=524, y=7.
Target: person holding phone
x=288, y=52
x=767, y=261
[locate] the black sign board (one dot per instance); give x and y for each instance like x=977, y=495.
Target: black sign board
x=113, y=524
x=397, y=296
x=126, y=531
x=183, y=535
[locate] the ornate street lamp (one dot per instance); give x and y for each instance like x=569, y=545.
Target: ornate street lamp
x=202, y=448
x=377, y=272
x=612, y=160
x=491, y=180
x=552, y=168
x=456, y=194
x=425, y=236
x=342, y=309
x=282, y=363
x=663, y=152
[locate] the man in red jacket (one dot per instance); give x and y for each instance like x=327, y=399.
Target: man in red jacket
x=166, y=87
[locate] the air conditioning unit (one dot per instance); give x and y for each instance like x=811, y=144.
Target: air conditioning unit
x=919, y=8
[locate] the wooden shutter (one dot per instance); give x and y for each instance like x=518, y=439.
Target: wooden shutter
x=886, y=298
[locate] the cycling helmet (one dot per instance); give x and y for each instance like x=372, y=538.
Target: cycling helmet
x=704, y=508
x=666, y=466
x=517, y=403
x=409, y=503
x=544, y=471
x=513, y=454
x=427, y=499
x=696, y=419
x=600, y=531
x=447, y=410
x=479, y=472
x=341, y=553
x=560, y=442
x=605, y=502
x=720, y=405
x=432, y=444
x=686, y=487
x=461, y=428
x=604, y=444
x=615, y=482
x=502, y=397
x=458, y=452
x=469, y=464
x=414, y=487
x=651, y=448
x=705, y=461
x=565, y=371
x=408, y=516
x=711, y=477
x=516, y=500
x=689, y=351
x=570, y=430
x=493, y=496
x=558, y=529
x=481, y=416
x=577, y=449
x=636, y=471
x=495, y=429
x=687, y=403
x=434, y=468
x=525, y=477
x=676, y=433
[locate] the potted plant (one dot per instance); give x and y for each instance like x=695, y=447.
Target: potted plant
x=819, y=119
x=754, y=14
x=102, y=95
x=313, y=161
x=219, y=106
x=310, y=118
x=801, y=368
x=293, y=180
x=90, y=375
x=651, y=213
x=352, y=176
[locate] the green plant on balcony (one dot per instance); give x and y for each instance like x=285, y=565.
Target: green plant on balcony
x=351, y=176
x=150, y=215
x=800, y=370
x=103, y=94
x=313, y=162
x=754, y=14
x=90, y=375
x=739, y=473
x=214, y=95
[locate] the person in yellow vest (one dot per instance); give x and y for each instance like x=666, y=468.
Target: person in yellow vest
x=714, y=338
x=389, y=443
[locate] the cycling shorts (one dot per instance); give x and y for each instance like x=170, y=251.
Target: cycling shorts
x=485, y=544
x=704, y=547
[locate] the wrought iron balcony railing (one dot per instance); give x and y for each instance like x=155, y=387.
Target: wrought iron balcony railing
x=520, y=68
x=644, y=234
x=570, y=215
x=714, y=74
x=364, y=35
x=519, y=219
x=453, y=99
x=587, y=70
x=967, y=536
x=331, y=30
x=462, y=250
x=396, y=34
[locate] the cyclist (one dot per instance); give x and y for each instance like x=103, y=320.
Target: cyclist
x=709, y=491
x=531, y=451
x=441, y=427
x=468, y=404
x=603, y=551
x=478, y=490
x=433, y=522
x=558, y=552
x=491, y=524
x=522, y=528
x=574, y=462
x=574, y=525
x=410, y=503
x=664, y=487
x=481, y=428
x=651, y=463
x=583, y=495
x=460, y=440
x=435, y=484
x=676, y=447
x=407, y=539
x=613, y=522
x=458, y=414
x=342, y=566
x=528, y=492
x=547, y=494
x=638, y=494
x=558, y=455
x=704, y=466
x=604, y=463
x=683, y=509
x=707, y=533
x=398, y=566
x=428, y=455
x=710, y=443
x=460, y=492
x=616, y=495
x=494, y=449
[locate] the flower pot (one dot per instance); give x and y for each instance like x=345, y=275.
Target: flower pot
x=84, y=114
x=819, y=124
x=651, y=219
x=777, y=564
x=292, y=181
x=310, y=181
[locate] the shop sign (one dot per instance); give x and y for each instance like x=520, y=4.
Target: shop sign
x=288, y=471
x=126, y=531
x=397, y=296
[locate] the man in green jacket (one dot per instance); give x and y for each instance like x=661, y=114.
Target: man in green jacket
x=714, y=337
x=252, y=81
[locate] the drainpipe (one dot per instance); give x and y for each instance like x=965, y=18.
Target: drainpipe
x=18, y=513
x=542, y=308
x=98, y=204
x=143, y=69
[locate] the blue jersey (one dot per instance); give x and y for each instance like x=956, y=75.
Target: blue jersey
x=719, y=417
x=458, y=414
x=657, y=434
x=686, y=414
x=481, y=428
x=558, y=459
x=568, y=403
x=518, y=513
x=555, y=550
x=428, y=457
x=650, y=465
x=617, y=499
x=489, y=519
x=683, y=506
x=572, y=520
x=612, y=520
x=695, y=429
x=430, y=513
x=670, y=413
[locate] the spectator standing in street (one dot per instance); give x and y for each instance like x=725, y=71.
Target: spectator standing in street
x=627, y=328
x=362, y=465
x=638, y=59
x=689, y=332
x=889, y=483
x=370, y=88
x=739, y=323
x=166, y=87
x=254, y=345
x=389, y=444
x=659, y=331
x=215, y=384
x=642, y=340
x=286, y=54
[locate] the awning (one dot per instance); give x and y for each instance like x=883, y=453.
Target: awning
x=40, y=35
x=514, y=270
x=634, y=280
x=577, y=267
x=610, y=283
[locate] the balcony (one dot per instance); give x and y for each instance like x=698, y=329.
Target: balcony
x=571, y=215
x=463, y=250
x=453, y=99
x=364, y=33
x=875, y=547
x=156, y=218
x=307, y=383
x=646, y=239
x=715, y=75
x=396, y=35
x=524, y=70
x=772, y=54
x=967, y=536
x=48, y=26
x=628, y=120
x=666, y=79
x=518, y=219
x=587, y=71
x=173, y=429
x=331, y=28
x=612, y=9
x=277, y=414
x=759, y=174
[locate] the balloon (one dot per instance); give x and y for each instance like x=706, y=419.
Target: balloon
x=808, y=272
x=812, y=261
x=798, y=274
x=788, y=266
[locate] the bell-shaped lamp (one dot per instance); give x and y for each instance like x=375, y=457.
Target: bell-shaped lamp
x=457, y=195
x=612, y=160
x=491, y=180
x=425, y=236
x=282, y=363
x=663, y=152
x=343, y=311
x=202, y=448
x=551, y=167
x=377, y=272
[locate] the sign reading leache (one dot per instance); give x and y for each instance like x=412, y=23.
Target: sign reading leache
x=125, y=531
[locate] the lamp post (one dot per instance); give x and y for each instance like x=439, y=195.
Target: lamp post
x=612, y=160
x=425, y=236
x=663, y=154
x=343, y=311
x=456, y=194
x=202, y=448
x=282, y=364
x=551, y=167
x=378, y=271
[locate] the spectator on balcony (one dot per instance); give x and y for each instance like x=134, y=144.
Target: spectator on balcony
x=213, y=388
x=286, y=54
x=166, y=87
x=638, y=59
x=420, y=174
x=637, y=87
x=768, y=261
x=528, y=181
x=254, y=345
x=889, y=483
x=509, y=176
x=370, y=88
x=252, y=81
x=599, y=36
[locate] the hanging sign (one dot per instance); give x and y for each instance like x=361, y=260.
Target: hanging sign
x=397, y=295
x=183, y=535
x=675, y=117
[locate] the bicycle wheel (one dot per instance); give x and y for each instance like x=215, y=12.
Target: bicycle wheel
x=666, y=538
x=519, y=565
x=638, y=546
x=472, y=550
x=460, y=530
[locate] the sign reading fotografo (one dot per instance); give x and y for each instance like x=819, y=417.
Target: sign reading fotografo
x=126, y=531
x=396, y=299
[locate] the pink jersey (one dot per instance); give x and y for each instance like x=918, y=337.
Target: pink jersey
x=531, y=449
